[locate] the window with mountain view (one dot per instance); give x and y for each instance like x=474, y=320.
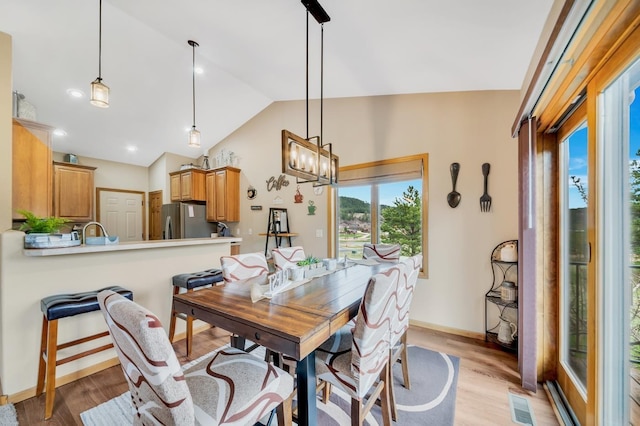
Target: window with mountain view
x=382, y=203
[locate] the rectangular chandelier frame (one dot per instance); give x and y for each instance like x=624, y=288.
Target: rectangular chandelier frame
x=309, y=161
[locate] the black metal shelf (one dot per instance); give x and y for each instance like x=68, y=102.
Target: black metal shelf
x=502, y=271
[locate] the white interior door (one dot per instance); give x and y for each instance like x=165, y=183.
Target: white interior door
x=121, y=214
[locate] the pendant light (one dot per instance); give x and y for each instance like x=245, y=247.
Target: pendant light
x=310, y=159
x=194, y=135
x=99, y=90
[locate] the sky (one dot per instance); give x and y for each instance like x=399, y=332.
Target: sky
x=578, y=150
x=388, y=191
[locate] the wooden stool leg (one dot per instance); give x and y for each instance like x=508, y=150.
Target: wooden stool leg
x=42, y=364
x=50, y=381
x=174, y=314
x=189, y=330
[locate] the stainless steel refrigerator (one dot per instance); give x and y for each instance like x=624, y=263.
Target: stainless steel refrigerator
x=185, y=220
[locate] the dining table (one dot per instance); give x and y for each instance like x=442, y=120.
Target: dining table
x=293, y=322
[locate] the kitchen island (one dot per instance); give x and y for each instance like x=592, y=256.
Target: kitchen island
x=26, y=276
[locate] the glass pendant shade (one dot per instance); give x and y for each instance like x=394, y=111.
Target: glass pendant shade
x=99, y=94
x=194, y=138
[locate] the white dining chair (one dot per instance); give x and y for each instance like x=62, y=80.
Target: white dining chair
x=358, y=361
x=243, y=266
x=381, y=252
x=226, y=387
x=287, y=257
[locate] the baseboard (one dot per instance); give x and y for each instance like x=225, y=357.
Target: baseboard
x=63, y=380
x=450, y=330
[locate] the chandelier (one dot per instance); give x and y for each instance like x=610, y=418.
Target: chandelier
x=310, y=159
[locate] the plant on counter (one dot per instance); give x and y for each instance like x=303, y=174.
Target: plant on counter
x=42, y=225
x=309, y=261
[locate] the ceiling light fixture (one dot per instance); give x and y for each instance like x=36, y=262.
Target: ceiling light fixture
x=310, y=159
x=99, y=90
x=194, y=135
x=75, y=93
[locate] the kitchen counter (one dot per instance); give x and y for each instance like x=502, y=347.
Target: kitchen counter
x=145, y=267
x=134, y=245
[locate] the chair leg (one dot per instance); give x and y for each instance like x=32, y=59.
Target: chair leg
x=326, y=392
x=405, y=361
x=284, y=411
x=50, y=380
x=384, y=396
x=392, y=394
x=42, y=364
x=174, y=314
x=357, y=416
x=189, y=330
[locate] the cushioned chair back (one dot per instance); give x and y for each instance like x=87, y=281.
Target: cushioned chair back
x=371, y=334
x=159, y=393
x=406, y=286
x=243, y=266
x=381, y=252
x=286, y=257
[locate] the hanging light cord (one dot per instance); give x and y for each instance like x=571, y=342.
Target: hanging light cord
x=321, y=80
x=194, y=82
x=100, y=44
x=307, y=75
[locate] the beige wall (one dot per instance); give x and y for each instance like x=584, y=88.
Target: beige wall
x=468, y=128
x=5, y=131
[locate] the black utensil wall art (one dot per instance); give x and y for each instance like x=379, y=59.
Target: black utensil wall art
x=453, y=198
x=485, y=199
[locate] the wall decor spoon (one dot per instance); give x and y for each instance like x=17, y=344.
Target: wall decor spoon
x=453, y=198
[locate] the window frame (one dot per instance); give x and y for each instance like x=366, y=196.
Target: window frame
x=333, y=221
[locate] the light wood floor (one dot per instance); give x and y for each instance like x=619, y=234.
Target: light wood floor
x=487, y=375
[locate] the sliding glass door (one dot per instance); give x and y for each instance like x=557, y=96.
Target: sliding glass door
x=574, y=257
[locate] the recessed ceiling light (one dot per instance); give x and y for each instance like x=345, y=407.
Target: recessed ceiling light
x=198, y=70
x=187, y=129
x=132, y=148
x=59, y=132
x=75, y=93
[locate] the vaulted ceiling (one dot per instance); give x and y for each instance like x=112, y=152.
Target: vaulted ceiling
x=252, y=53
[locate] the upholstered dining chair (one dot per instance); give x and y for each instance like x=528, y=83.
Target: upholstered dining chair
x=381, y=252
x=400, y=324
x=227, y=387
x=357, y=360
x=286, y=257
x=242, y=266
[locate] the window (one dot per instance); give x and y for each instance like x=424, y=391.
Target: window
x=382, y=202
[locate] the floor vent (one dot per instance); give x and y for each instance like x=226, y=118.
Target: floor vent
x=521, y=412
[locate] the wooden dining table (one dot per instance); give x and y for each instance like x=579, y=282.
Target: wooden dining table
x=293, y=322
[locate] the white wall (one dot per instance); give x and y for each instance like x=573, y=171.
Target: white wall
x=469, y=128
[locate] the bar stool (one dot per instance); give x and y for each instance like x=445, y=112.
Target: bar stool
x=190, y=282
x=54, y=308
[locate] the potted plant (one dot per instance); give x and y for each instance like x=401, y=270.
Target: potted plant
x=43, y=232
x=311, y=265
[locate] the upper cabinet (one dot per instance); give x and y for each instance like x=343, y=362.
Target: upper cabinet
x=188, y=185
x=32, y=180
x=73, y=191
x=223, y=195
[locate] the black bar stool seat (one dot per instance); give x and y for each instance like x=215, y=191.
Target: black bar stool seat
x=56, y=307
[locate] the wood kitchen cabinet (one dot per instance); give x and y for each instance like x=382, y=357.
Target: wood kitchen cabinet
x=73, y=191
x=31, y=168
x=223, y=195
x=188, y=185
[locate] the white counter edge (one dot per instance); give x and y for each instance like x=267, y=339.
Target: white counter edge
x=137, y=245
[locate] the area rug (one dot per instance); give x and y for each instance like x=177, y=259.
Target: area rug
x=8, y=416
x=431, y=400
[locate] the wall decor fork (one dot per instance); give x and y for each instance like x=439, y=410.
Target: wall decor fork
x=485, y=199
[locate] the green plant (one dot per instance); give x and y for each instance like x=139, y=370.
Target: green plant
x=309, y=260
x=46, y=225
